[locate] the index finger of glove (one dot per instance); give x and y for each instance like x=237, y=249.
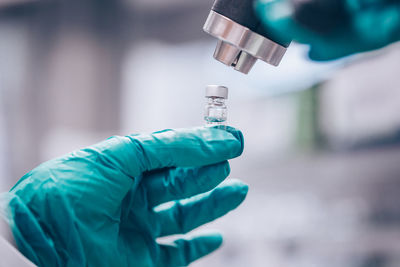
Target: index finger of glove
x=194, y=147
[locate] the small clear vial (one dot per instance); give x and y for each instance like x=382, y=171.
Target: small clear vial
x=215, y=112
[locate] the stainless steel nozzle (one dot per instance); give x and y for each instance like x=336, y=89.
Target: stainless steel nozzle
x=240, y=47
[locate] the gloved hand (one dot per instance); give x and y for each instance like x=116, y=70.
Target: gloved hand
x=332, y=28
x=99, y=206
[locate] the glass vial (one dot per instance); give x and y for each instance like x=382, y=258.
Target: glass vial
x=215, y=112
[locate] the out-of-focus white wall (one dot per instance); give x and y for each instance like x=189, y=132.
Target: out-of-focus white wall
x=362, y=101
x=3, y=174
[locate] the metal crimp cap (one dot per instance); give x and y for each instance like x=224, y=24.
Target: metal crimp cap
x=217, y=91
x=240, y=47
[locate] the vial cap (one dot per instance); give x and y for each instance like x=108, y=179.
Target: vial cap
x=217, y=91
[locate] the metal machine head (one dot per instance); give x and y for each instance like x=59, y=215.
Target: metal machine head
x=241, y=38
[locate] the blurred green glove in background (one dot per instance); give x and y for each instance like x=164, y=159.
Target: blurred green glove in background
x=332, y=28
x=100, y=206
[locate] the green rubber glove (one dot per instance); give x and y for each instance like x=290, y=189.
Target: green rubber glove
x=100, y=206
x=332, y=28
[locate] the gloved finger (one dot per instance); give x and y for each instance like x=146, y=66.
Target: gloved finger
x=358, y=37
x=385, y=22
x=321, y=16
x=185, y=215
x=178, y=183
x=172, y=148
x=184, y=251
x=346, y=37
x=277, y=17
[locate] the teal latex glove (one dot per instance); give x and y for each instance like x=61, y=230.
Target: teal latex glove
x=99, y=206
x=364, y=25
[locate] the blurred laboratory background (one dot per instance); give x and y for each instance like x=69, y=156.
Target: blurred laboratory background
x=322, y=140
